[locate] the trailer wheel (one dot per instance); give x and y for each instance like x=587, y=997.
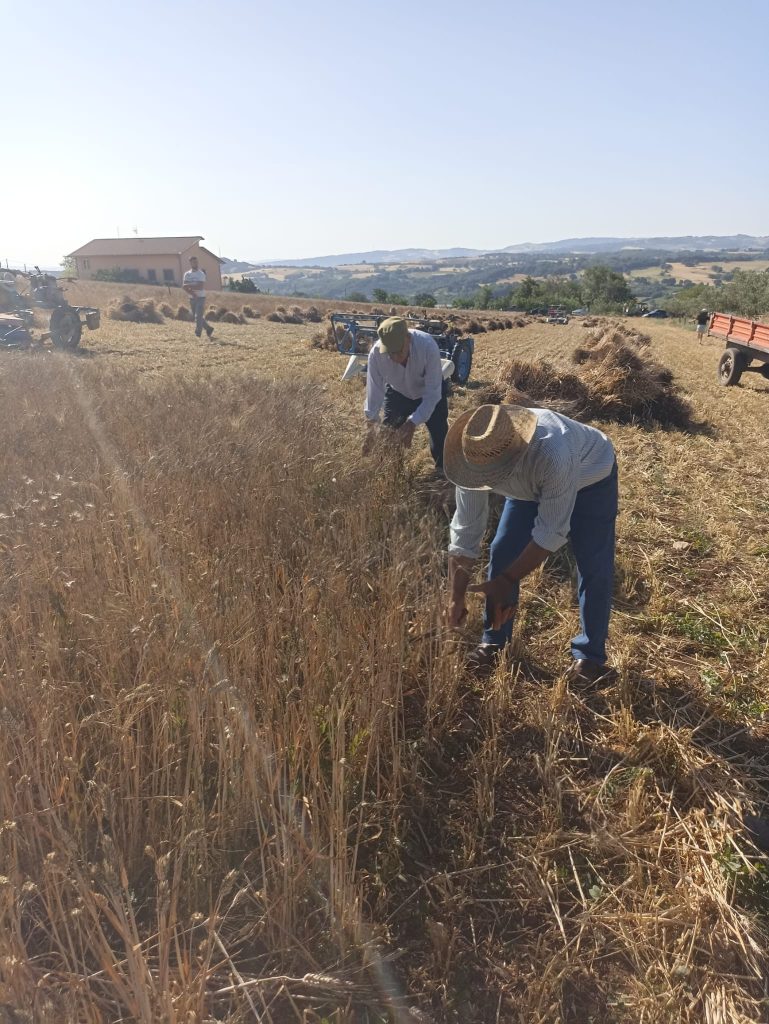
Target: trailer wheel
x=65, y=328
x=462, y=357
x=730, y=367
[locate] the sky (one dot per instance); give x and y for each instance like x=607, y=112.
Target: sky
x=286, y=130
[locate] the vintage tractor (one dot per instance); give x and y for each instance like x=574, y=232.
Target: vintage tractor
x=40, y=291
x=356, y=333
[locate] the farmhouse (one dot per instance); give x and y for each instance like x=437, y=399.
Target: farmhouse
x=151, y=260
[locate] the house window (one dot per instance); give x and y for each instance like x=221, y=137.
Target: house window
x=168, y=276
x=152, y=276
x=86, y=265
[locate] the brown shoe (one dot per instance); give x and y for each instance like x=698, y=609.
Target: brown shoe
x=590, y=675
x=483, y=660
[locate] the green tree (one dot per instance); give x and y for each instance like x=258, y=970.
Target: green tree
x=358, y=297
x=425, y=299
x=68, y=266
x=483, y=297
x=604, y=290
x=380, y=295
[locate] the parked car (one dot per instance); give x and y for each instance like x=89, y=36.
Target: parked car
x=582, y=311
x=657, y=314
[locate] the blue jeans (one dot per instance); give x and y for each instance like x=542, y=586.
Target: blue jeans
x=198, y=304
x=592, y=540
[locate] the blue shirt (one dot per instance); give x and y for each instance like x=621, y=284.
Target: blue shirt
x=421, y=377
x=562, y=457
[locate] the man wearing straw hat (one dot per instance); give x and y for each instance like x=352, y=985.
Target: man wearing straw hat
x=404, y=374
x=559, y=479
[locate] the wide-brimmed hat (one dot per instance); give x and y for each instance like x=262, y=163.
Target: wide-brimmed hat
x=483, y=445
x=393, y=333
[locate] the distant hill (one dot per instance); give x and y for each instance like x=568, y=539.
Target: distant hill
x=580, y=246
x=689, y=243
x=375, y=256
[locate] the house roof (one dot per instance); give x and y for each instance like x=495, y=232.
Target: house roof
x=133, y=246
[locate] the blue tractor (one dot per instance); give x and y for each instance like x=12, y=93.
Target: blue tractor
x=355, y=334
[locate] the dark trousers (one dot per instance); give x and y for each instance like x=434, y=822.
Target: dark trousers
x=397, y=409
x=592, y=540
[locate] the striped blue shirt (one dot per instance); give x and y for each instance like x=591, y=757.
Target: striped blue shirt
x=421, y=377
x=563, y=457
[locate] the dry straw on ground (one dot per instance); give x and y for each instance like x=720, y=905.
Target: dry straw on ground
x=617, y=380
x=243, y=774
x=141, y=311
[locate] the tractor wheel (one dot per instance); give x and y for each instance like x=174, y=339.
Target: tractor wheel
x=764, y=371
x=65, y=328
x=462, y=357
x=730, y=367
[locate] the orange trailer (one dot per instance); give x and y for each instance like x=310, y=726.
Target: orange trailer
x=747, y=342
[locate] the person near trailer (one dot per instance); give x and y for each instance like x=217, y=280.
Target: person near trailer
x=702, y=320
x=404, y=379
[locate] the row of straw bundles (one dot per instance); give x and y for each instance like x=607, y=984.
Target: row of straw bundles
x=142, y=311
x=295, y=315
x=615, y=381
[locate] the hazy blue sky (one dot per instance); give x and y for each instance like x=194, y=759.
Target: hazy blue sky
x=281, y=129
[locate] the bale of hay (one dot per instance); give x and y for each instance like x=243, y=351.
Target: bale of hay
x=166, y=310
x=475, y=327
x=212, y=314
x=184, y=313
x=615, y=382
x=253, y=314
x=228, y=317
x=275, y=317
x=292, y=318
x=280, y=309
x=142, y=311
x=312, y=315
x=322, y=340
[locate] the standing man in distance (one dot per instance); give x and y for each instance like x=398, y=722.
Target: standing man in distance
x=194, y=284
x=559, y=479
x=702, y=320
x=405, y=375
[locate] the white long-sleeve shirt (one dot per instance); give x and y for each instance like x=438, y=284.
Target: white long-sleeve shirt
x=421, y=377
x=562, y=457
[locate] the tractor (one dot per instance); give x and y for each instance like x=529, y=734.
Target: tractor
x=41, y=291
x=355, y=334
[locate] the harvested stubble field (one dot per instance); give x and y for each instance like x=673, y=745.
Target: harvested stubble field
x=244, y=776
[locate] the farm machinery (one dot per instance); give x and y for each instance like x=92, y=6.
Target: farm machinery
x=17, y=312
x=747, y=343
x=355, y=334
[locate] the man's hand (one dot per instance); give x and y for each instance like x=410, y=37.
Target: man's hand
x=497, y=591
x=460, y=570
x=456, y=613
x=405, y=434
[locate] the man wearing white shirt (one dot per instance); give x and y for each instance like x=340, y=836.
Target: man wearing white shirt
x=194, y=284
x=559, y=479
x=404, y=375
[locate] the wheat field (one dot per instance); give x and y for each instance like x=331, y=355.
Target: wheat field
x=244, y=776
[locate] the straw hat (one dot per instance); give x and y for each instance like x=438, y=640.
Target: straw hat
x=483, y=445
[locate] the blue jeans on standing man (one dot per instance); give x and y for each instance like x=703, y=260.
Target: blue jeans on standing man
x=198, y=304
x=592, y=540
